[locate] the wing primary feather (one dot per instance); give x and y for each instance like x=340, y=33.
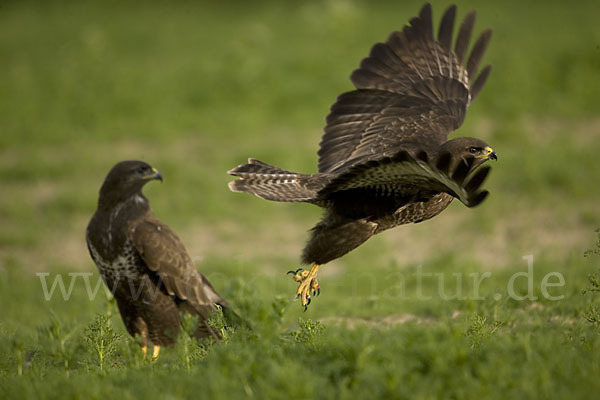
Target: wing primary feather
x=477, y=199
x=464, y=36
x=447, y=27
x=477, y=179
x=427, y=20
x=478, y=51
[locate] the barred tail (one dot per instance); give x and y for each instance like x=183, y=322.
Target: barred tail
x=273, y=183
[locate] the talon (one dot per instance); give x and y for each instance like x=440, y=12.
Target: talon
x=318, y=291
x=295, y=272
x=308, y=283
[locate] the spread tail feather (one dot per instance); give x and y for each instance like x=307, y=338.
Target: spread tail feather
x=273, y=183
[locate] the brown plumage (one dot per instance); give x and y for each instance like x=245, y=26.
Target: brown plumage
x=385, y=158
x=144, y=263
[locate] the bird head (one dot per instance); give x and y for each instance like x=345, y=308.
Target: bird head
x=468, y=147
x=126, y=179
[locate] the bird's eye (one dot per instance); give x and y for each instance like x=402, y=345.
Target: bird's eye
x=141, y=169
x=473, y=150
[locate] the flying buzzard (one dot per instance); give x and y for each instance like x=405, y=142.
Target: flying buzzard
x=143, y=262
x=385, y=158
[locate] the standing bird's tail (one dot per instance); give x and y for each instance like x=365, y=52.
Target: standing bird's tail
x=273, y=183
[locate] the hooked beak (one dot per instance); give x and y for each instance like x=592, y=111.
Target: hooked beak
x=490, y=154
x=154, y=175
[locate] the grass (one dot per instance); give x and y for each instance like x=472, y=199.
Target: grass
x=423, y=311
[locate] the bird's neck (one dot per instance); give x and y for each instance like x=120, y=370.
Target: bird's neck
x=134, y=204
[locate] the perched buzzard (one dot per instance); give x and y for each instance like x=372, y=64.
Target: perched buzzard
x=385, y=158
x=144, y=263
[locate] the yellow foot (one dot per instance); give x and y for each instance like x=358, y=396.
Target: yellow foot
x=308, y=283
x=155, y=351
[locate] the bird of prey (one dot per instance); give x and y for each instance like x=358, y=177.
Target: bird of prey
x=143, y=262
x=385, y=158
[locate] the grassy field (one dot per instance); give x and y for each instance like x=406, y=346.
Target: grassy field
x=492, y=302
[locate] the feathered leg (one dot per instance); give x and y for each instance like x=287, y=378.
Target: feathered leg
x=331, y=238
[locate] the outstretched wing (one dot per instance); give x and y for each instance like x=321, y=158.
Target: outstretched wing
x=404, y=176
x=164, y=253
x=412, y=91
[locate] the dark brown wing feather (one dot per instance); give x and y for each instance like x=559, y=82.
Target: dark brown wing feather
x=164, y=253
x=405, y=176
x=412, y=91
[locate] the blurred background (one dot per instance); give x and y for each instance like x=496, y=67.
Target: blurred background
x=195, y=88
